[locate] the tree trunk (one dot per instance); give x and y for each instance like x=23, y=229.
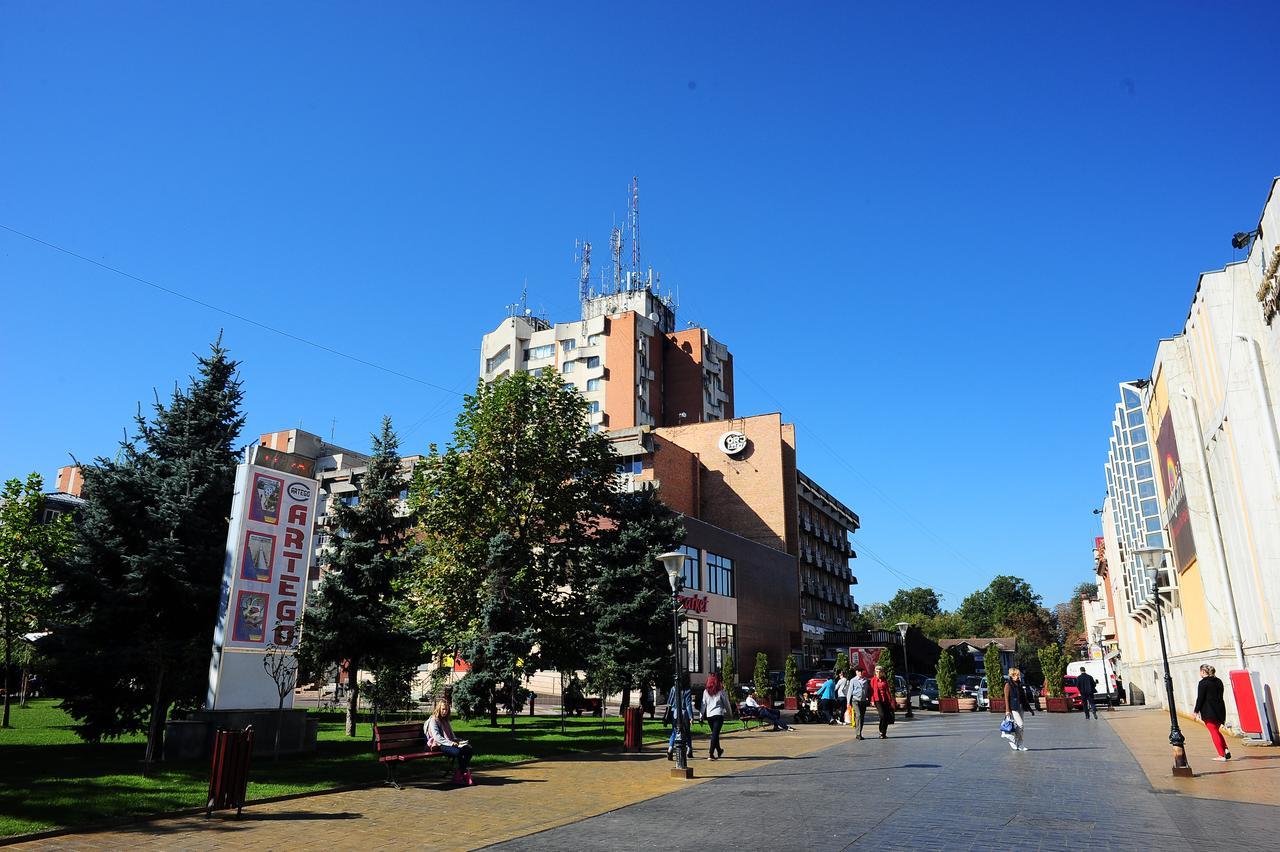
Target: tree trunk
x=155, y=732
x=626, y=698
x=26, y=682
x=279, y=725
x=353, y=699
x=8, y=657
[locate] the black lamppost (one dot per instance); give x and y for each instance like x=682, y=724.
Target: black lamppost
x=902, y=628
x=673, y=562
x=1152, y=560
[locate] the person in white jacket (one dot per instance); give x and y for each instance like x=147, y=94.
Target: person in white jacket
x=842, y=696
x=715, y=709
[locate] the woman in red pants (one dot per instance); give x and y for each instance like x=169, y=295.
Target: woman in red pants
x=1212, y=710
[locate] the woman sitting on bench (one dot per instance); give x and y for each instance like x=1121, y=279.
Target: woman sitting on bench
x=440, y=735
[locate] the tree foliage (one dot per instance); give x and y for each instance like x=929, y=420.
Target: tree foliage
x=359, y=617
x=918, y=602
x=138, y=595
x=946, y=675
x=1054, y=665
x=27, y=549
x=986, y=610
x=761, y=674
x=993, y=667
x=626, y=595
x=790, y=677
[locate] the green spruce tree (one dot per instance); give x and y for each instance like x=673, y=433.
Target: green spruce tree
x=627, y=597
x=359, y=618
x=137, y=597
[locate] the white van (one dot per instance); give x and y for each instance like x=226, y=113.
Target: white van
x=1106, y=682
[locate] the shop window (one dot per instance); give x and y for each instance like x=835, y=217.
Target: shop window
x=691, y=645
x=721, y=643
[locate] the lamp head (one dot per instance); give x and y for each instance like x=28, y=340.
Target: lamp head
x=902, y=628
x=673, y=562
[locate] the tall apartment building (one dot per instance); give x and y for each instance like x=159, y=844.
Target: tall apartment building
x=625, y=356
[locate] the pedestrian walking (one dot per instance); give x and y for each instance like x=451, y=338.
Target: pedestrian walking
x=715, y=709
x=827, y=700
x=1212, y=710
x=859, y=695
x=882, y=697
x=1014, y=703
x=842, y=697
x=686, y=706
x=1088, y=688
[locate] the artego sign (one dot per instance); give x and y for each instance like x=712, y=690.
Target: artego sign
x=264, y=580
x=732, y=443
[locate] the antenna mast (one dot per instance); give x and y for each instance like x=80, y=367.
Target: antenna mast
x=615, y=248
x=634, y=204
x=584, y=273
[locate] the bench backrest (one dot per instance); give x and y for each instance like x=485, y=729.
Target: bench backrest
x=397, y=739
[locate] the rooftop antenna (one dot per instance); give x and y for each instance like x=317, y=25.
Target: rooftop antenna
x=584, y=273
x=633, y=203
x=615, y=248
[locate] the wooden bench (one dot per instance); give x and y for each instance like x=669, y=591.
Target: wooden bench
x=749, y=715
x=396, y=744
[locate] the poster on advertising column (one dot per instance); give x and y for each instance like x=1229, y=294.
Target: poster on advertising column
x=264, y=581
x=1177, y=520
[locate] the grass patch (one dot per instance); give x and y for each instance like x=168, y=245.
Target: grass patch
x=49, y=778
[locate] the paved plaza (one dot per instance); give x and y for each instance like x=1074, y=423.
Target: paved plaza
x=938, y=782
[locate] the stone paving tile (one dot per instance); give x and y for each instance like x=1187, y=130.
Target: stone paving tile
x=952, y=784
x=506, y=802
x=1252, y=775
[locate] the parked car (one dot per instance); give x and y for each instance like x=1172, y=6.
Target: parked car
x=929, y=694
x=813, y=684
x=917, y=682
x=967, y=685
x=984, y=700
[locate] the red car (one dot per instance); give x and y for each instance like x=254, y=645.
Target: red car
x=813, y=684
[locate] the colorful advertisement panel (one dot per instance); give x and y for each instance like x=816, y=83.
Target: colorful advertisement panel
x=1177, y=520
x=264, y=583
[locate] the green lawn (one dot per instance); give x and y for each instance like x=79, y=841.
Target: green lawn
x=50, y=779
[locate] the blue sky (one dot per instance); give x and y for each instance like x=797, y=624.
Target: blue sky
x=935, y=240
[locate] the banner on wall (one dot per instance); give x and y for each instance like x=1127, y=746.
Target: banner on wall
x=1176, y=518
x=264, y=580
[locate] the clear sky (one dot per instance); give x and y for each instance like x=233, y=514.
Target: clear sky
x=934, y=239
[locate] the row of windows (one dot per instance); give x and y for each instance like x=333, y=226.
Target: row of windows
x=721, y=642
x=719, y=573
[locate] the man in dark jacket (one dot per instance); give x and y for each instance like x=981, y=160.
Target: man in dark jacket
x=1088, y=688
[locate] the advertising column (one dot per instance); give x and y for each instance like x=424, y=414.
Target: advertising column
x=264, y=581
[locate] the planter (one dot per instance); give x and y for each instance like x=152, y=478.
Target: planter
x=1041, y=701
x=969, y=704
x=996, y=705
x=791, y=703
x=1056, y=704
x=948, y=705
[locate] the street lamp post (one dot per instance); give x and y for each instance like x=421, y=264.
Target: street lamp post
x=1102, y=654
x=673, y=562
x=902, y=629
x=1152, y=560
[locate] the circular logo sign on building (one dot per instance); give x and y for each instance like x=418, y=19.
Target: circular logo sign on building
x=732, y=443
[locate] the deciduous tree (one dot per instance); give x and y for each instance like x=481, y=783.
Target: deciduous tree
x=27, y=549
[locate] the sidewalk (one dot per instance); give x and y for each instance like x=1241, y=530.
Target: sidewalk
x=507, y=802
x=1252, y=775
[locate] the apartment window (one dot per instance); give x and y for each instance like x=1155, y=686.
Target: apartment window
x=593, y=362
x=49, y=516
x=542, y=351
x=568, y=345
x=691, y=645
x=720, y=644
x=594, y=384
x=719, y=574
x=567, y=366
x=690, y=575
x=349, y=499
x=498, y=360
x=594, y=339
x=593, y=406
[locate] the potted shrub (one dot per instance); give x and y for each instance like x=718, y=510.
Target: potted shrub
x=1054, y=665
x=995, y=678
x=791, y=684
x=946, y=677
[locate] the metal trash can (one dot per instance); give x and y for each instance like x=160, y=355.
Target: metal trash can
x=229, y=770
x=632, y=728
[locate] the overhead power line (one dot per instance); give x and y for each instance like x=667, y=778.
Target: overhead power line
x=241, y=317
